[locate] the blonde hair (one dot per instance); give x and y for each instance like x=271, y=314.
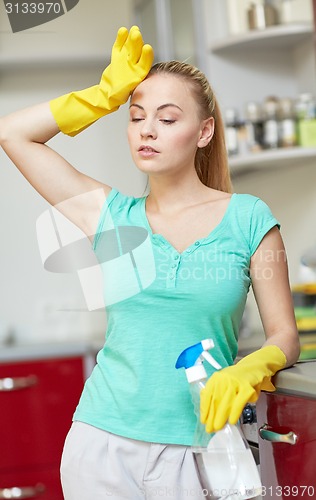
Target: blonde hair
x=211, y=162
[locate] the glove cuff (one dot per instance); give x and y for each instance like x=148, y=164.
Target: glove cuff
x=76, y=111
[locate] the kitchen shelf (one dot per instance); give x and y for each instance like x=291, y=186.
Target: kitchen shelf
x=276, y=158
x=280, y=36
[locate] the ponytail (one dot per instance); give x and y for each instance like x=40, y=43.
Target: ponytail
x=211, y=162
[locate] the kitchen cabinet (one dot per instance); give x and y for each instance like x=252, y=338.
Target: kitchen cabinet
x=287, y=445
x=285, y=431
x=37, y=400
x=279, y=60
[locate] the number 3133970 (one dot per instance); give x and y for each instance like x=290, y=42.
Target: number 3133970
x=288, y=491
x=33, y=8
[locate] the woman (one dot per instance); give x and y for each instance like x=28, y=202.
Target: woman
x=134, y=423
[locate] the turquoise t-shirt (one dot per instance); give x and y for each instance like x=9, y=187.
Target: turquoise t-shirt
x=158, y=303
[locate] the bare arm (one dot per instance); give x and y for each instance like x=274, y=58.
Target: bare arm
x=269, y=273
x=23, y=136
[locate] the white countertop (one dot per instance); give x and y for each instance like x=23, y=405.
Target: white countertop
x=298, y=379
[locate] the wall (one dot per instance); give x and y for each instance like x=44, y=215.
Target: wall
x=36, y=303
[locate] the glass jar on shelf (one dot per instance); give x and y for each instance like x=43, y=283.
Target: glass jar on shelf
x=270, y=111
x=231, y=131
x=262, y=14
x=287, y=123
x=305, y=109
x=295, y=11
x=254, y=126
x=237, y=16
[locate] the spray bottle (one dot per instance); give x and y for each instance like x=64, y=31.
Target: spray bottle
x=224, y=460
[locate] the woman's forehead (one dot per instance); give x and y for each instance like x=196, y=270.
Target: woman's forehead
x=162, y=86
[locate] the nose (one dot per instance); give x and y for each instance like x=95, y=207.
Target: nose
x=148, y=129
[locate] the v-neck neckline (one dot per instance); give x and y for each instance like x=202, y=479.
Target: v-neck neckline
x=195, y=244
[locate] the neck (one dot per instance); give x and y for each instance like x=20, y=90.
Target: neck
x=168, y=194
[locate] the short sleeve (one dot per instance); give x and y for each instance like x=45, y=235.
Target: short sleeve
x=262, y=220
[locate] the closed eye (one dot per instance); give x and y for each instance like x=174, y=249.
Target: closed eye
x=136, y=119
x=168, y=122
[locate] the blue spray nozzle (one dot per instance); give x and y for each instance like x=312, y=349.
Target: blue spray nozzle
x=192, y=355
x=189, y=356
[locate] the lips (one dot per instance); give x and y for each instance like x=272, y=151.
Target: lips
x=147, y=152
x=147, y=149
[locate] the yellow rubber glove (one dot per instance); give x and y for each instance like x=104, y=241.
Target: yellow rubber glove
x=131, y=61
x=228, y=391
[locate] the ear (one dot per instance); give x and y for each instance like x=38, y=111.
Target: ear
x=206, y=132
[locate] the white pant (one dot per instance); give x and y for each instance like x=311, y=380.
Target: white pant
x=97, y=465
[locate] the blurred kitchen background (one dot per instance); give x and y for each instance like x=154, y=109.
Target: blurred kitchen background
x=260, y=58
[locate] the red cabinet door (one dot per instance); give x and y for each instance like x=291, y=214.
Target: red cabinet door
x=287, y=470
x=37, y=401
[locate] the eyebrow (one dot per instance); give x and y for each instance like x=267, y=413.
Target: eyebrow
x=163, y=106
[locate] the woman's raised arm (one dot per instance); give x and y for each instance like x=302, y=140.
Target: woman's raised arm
x=24, y=134
x=23, y=137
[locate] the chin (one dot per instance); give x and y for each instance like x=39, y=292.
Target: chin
x=148, y=169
